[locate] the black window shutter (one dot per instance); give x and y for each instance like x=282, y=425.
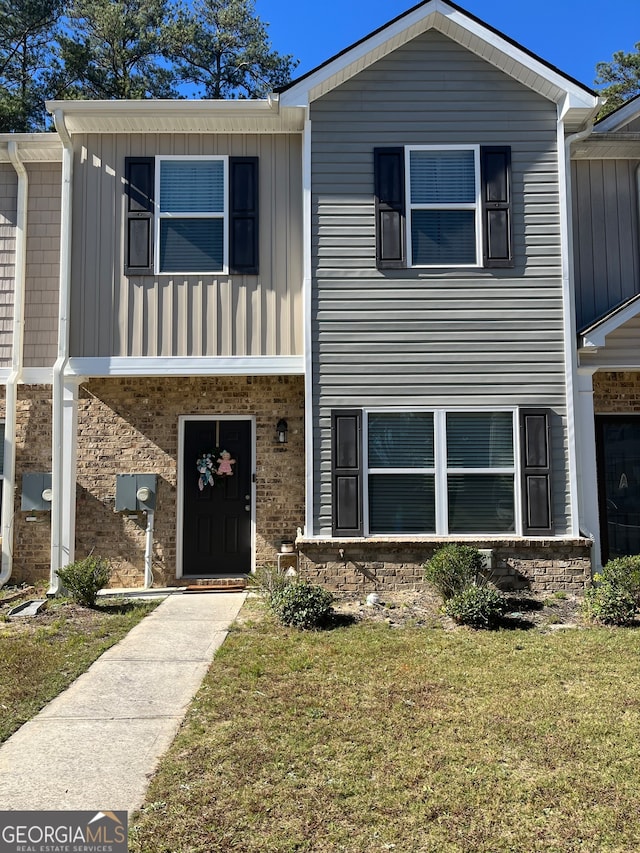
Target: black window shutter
x=139, y=189
x=346, y=463
x=243, y=215
x=536, y=471
x=495, y=168
x=388, y=166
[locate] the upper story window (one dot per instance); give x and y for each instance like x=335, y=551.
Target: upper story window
x=443, y=189
x=192, y=218
x=191, y=215
x=443, y=206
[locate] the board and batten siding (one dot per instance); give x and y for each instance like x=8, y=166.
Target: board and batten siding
x=8, y=204
x=606, y=243
x=43, y=265
x=434, y=338
x=114, y=314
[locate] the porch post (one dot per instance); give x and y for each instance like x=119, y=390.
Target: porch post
x=587, y=475
x=69, y=457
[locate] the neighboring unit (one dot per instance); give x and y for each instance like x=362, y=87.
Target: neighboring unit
x=606, y=214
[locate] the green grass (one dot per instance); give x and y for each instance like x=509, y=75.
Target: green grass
x=42, y=656
x=371, y=739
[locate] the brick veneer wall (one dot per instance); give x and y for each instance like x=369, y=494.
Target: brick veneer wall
x=131, y=425
x=616, y=392
x=536, y=565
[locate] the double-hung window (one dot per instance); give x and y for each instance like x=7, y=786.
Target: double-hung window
x=443, y=206
x=443, y=191
x=191, y=215
x=441, y=472
x=192, y=222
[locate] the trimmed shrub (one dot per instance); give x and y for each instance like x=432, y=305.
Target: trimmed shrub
x=615, y=598
x=85, y=578
x=452, y=569
x=624, y=573
x=477, y=606
x=302, y=605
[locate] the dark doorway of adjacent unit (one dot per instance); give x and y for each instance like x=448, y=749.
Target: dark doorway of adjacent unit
x=216, y=515
x=618, y=451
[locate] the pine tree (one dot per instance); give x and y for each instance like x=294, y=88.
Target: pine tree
x=223, y=47
x=112, y=49
x=619, y=78
x=26, y=28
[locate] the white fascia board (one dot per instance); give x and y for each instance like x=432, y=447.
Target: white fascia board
x=425, y=17
x=4, y=375
x=595, y=335
x=278, y=365
x=626, y=113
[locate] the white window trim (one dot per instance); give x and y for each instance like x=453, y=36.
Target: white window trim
x=159, y=215
x=452, y=206
x=440, y=471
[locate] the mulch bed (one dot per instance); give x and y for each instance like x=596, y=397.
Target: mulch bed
x=423, y=609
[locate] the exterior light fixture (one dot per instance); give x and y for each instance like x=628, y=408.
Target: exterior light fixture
x=282, y=428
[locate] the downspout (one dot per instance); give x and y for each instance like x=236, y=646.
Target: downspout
x=17, y=361
x=57, y=556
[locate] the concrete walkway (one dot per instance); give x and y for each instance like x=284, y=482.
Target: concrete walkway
x=96, y=745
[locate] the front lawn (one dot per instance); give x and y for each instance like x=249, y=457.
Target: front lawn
x=41, y=655
x=370, y=738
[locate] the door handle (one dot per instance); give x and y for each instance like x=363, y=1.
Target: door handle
x=247, y=508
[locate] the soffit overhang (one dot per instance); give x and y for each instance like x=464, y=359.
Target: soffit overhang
x=607, y=146
x=178, y=116
x=32, y=147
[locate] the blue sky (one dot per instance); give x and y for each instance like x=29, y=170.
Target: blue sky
x=572, y=35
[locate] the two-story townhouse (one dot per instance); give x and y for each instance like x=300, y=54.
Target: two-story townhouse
x=373, y=264
x=440, y=372
x=606, y=217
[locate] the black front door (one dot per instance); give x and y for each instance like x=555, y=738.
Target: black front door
x=216, y=524
x=618, y=445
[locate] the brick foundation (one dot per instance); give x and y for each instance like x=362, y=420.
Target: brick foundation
x=519, y=564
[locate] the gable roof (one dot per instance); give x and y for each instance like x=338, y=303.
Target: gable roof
x=460, y=26
x=621, y=116
x=596, y=333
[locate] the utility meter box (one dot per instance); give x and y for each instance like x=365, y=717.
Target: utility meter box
x=36, y=492
x=135, y=492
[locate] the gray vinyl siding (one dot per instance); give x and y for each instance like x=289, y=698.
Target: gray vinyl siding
x=433, y=338
x=8, y=202
x=605, y=235
x=43, y=265
x=185, y=315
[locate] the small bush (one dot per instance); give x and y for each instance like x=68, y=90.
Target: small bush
x=477, y=606
x=268, y=581
x=453, y=568
x=85, y=578
x=624, y=573
x=609, y=603
x=302, y=605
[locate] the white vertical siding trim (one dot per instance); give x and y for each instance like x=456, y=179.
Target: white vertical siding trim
x=568, y=302
x=307, y=339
